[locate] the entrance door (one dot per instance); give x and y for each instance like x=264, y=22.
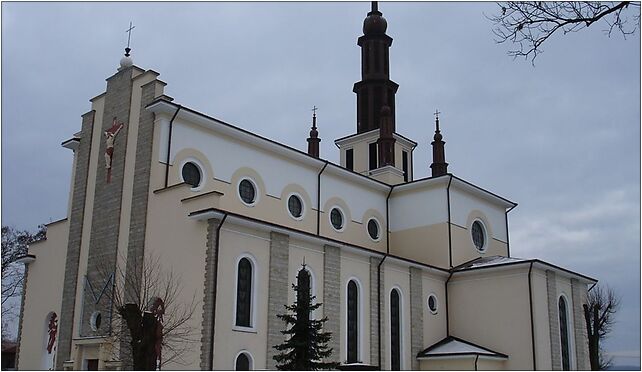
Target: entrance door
x=92, y=364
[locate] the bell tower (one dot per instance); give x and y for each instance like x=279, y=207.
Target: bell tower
x=375, y=89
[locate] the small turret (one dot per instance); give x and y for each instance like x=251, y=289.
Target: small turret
x=313, y=140
x=439, y=166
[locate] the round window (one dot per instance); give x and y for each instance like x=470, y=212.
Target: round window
x=479, y=235
x=247, y=191
x=191, y=174
x=336, y=218
x=96, y=320
x=373, y=229
x=295, y=206
x=432, y=303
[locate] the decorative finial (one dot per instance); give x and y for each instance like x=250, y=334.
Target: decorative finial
x=314, y=117
x=303, y=262
x=375, y=6
x=437, y=112
x=129, y=37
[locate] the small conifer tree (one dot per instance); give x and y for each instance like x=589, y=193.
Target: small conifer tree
x=306, y=345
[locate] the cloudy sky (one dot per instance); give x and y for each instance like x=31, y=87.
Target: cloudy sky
x=561, y=138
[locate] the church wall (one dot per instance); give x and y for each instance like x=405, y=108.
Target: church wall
x=564, y=288
x=463, y=204
x=492, y=308
x=463, y=248
x=397, y=276
x=427, y=244
x=463, y=364
x=313, y=256
x=180, y=245
x=540, y=319
x=42, y=295
x=434, y=324
x=354, y=266
x=230, y=340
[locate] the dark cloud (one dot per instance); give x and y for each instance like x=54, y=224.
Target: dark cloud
x=560, y=138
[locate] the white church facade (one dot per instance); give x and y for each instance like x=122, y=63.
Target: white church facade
x=412, y=273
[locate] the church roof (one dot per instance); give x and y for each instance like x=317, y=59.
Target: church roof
x=501, y=261
x=453, y=347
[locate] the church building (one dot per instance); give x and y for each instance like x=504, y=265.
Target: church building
x=411, y=273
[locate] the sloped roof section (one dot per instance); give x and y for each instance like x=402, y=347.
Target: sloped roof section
x=453, y=347
x=489, y=261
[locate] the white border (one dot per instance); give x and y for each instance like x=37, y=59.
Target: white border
x=401, y=330
x=484, y=248
x=249, y=357
x=287, y=205
x=201, y=169
x=257, y=196
x=378, y=229
x=436, y=303
x=360, y=333
x=252, y=327
x=92, y=320
x=343, y=218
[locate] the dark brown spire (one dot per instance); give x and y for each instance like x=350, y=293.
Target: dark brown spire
x=386, y=141
x=375, y=89
x=313, y=140
x=439, y=166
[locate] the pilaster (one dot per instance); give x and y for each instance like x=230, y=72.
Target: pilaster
x=331, y=297
x=375, y=323
x=416, y=316
x=209, y=293
x=277, y=293
x=579, y=292
x=553, y=320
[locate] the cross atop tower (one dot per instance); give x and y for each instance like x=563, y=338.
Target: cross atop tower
x=437, y=112
x=314, y=110
x=129, y=37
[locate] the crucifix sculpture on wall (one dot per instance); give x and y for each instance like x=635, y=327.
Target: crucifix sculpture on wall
x=110, y=137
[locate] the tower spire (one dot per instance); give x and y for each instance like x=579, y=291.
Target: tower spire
x=126, y=61
x=375, y=90
x=439, y=166
x=313, y=140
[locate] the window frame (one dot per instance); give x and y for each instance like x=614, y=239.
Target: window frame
x=257, y=196
x=201, y=169
x=401, y=319
x=343, y=218
x=376, y=221
x=436, y=311
x=484, y=247
x=253, y=264
x=569, y=333
x=249, y=356
x=360, y=316
x=303, y=206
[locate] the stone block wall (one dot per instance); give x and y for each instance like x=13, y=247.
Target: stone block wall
x=209, y=294
x=331, y=298
x=277, y=293
x=416, y=316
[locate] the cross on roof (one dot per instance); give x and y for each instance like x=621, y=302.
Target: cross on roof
x=437, y=112
x=314, y=110
x=129, y=31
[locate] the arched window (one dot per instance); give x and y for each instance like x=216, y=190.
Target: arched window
x=353, y=322
x=564, y=335
x=244, y=293
x=243, y=362
x=395, y=330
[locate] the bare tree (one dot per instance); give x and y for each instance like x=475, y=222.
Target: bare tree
x=530, y=24
x=15, y=244
x=599, y=312
x=149, y=315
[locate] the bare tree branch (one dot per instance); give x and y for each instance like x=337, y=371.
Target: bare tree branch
x=529, y=24
x=599, y=314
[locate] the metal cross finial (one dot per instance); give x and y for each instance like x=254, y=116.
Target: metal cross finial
x=314, y=110
x=437, y=112
x=129, y=31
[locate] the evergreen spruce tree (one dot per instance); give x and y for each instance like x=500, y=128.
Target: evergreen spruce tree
x=306, y=345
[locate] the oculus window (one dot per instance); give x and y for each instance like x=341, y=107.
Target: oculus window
x=336, y=218
x=373, y=229
x=247, y=191
x=479, y=236
x=191, y=174
x=432, y=303
x=295, y=206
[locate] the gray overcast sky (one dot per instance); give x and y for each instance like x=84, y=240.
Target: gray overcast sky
x=562, y=138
